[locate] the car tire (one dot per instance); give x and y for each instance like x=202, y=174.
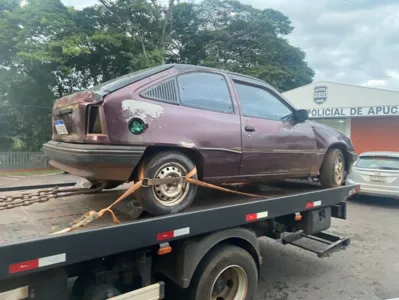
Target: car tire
x=332, y=171
x=109, y=185
x=167, y=199
x=226, y=270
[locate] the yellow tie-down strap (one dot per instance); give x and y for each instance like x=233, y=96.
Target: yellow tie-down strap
x=92, y=215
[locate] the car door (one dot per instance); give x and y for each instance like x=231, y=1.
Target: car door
x=272, y=142
x=209, y=122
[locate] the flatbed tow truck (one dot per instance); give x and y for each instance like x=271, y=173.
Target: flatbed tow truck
x=207, y=252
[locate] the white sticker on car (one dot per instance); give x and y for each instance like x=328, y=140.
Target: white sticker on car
x=60, y=127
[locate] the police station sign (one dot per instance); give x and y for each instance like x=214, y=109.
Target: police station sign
x=367, y=111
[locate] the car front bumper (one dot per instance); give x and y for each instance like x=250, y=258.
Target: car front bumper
x=93, y=161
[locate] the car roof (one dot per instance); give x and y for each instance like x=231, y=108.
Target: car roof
x=235, y=75
x=110, y=86
x=194, y=67
x=380, y=153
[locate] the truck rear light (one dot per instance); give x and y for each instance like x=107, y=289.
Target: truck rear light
x=298, y=216
x=164, y=248
x=93, y=120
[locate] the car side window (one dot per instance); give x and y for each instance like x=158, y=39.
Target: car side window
x=259, y=103
x=205, y=91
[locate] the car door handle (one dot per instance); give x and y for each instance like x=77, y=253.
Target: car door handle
x=249, y=128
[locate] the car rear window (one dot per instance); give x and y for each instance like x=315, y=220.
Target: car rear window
x=112, y=85
x=380, y=163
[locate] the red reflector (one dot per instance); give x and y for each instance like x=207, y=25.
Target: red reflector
x=251, y=217
x=165, y=235
x=23, y=266
x=309, y=205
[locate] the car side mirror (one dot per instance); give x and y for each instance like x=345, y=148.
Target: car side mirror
x=301, y=115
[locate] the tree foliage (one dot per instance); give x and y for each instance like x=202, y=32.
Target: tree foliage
x=48, y=50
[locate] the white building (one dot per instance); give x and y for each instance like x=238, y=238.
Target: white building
x=369, y=116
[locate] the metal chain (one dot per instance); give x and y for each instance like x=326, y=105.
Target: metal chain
x=26, y=199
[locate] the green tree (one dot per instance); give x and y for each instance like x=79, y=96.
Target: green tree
x=48, y=51
x=229, y=35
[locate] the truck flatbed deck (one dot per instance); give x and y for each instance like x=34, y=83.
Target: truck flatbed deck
x=40, y=220
x=25, y=232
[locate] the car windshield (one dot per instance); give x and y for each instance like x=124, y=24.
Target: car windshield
x=381, y=163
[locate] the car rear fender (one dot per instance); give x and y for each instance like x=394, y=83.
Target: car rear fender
x=191, y=153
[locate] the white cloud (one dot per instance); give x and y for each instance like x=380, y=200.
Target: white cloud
x=344, y=41
x=374, y=83
x=393, y=74
x=79, y=4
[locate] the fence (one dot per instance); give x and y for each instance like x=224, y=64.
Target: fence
x=23, y=161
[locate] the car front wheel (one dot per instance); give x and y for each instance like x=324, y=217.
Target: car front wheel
x=167, y=198
x=332, y=172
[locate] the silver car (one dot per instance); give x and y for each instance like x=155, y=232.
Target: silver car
x=377, y=173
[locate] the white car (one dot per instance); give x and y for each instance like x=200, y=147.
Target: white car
x=377, y=173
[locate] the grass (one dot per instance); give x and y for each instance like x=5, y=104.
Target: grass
x=26, y=173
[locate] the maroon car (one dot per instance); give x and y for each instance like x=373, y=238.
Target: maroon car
x=171, y=118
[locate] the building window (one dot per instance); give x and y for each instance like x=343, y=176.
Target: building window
x=341, y=124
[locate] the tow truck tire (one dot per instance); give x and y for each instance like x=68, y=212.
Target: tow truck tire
x=227, y=272
x=332, y=171
x=167, y=199
x=80, y=285
x=101, y=291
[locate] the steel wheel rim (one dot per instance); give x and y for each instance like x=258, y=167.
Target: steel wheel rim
x=170, y=194
x=230, y=284
x=339, y=169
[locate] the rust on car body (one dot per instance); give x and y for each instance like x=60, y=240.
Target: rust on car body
x=229, y=143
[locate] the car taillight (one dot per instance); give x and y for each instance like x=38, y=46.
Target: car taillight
x=93, y=120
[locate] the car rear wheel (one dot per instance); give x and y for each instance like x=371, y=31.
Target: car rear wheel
x=332, y=172
x=167, y=198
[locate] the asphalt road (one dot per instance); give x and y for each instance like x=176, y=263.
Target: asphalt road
x=367, y=269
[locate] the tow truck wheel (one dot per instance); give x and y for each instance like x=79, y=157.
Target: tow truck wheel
x=167, y=198
x=80, y=285
x=101, y=291
x=226, y=273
